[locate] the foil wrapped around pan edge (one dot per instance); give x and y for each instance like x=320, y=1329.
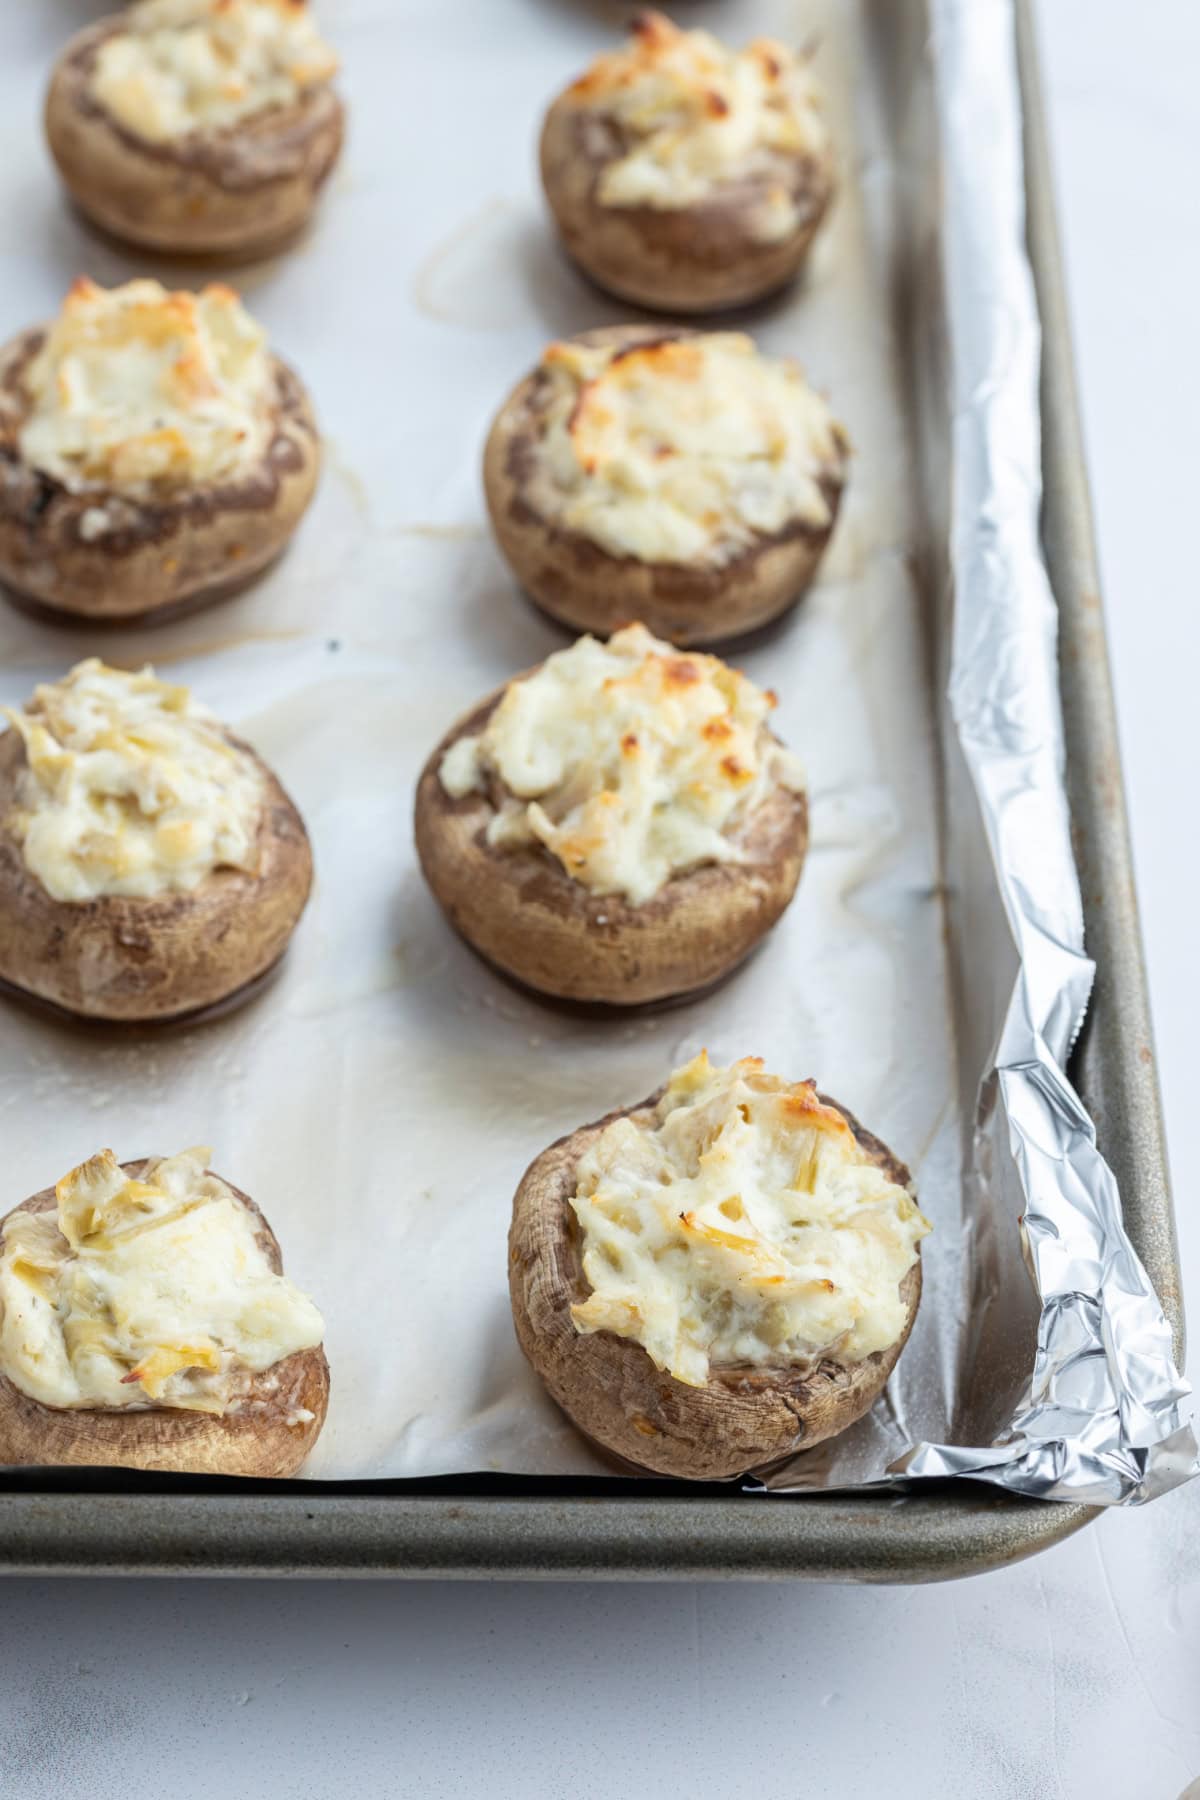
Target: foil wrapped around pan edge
x=1102, y=1418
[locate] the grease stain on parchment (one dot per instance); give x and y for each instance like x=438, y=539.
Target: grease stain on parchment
x=347, y=475
x=461, y=532
x=216, y=646
x=447, y=286
x=501, y=268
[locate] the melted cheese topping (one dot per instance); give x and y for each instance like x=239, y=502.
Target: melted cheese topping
x=130, y=787
x=179, y=66
x=154, y=1292
x=697, y=116
x=142, y=391
x=687, y=450
x=630, y=761
x=745, y=1225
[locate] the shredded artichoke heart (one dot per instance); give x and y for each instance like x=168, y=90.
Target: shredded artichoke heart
x=144, y=1292
x=683, y=450
x=140, y=392
x=129, y=787
x=630, y=761
x=697, y=116
x=178, y=66
x=744, y=1226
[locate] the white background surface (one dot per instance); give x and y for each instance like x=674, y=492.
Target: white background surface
x=1077, y=1674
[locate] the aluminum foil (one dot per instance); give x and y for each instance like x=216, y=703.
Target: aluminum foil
x=381, y=1099
x=1101, y=1416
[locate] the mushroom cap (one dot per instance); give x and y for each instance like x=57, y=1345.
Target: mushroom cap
x=124, y=958
x=159, y=555
x=523, y=913
x=255, y=1441
x=587, y=588
x=743, y=1418
x=240, y=191
x=702, y=258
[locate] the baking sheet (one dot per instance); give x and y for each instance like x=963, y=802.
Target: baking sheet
x=382, y=1099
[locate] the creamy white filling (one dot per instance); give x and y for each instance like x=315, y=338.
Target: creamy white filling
x=630, y=761
x=142, y=391
x=130, y=787
x=144, y=1292
x=744, y=1225
x=699, y=116
x=688, y=450
x=179, y=66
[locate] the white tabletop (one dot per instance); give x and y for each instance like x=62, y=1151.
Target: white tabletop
x=1077, y=1674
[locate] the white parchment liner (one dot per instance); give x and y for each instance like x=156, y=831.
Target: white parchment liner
x=382, y=1098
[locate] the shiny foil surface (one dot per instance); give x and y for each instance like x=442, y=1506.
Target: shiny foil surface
x=1101, y=1418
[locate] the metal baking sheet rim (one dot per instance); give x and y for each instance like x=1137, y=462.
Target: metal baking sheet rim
x=485, y=1529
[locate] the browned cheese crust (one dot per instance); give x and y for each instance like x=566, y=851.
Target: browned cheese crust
x=520, y=909
x=256, y=1440
x=742, y=1418
x=199, y=544
x=696, y=259
x=127, y=959
x=239, y=191
x=586, y=587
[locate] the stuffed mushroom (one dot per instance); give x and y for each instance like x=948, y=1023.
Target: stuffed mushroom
x=153, y=453
x=146, y=1323
x=151, y=866
x=197, y=126
x=679, y=478
x=717, y=1278
x=620, y=825
x=686, y=176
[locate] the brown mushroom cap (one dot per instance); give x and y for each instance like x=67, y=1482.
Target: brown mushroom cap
x=255, y=1441
x=521, y=911
x=743, y=1418
x=589, y=589
x=145, y=960
x=701, y=258
x=239, y=191
x=198, y=544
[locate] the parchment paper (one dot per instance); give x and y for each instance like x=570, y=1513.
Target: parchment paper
x=383, y=1097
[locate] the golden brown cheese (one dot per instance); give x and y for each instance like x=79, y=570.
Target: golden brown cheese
x=181, y=66
x=684, y=450
x=141, y=391
x=129, y=787
x=144, y=1292
x=630, y=761
x=744, y=1225
x=697, y=116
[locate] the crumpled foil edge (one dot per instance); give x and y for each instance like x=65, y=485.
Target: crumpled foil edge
x=1102, y=1417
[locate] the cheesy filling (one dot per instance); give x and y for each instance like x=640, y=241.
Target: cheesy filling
x=688, y=450
x=744, y=1226
x=181, y=66
x=147, y=1292
x=141, y=391
x=630, y=761
x=697, y=116
x=129, y=787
